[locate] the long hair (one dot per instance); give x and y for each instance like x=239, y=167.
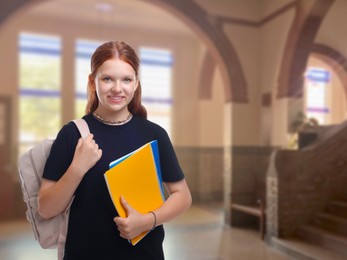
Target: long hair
x=122, y=51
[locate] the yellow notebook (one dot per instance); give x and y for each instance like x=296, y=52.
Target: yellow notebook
x=137, y=177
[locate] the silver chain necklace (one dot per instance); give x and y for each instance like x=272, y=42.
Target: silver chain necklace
x=113, y=123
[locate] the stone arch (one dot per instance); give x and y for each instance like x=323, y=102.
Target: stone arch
x=334, y=59
x=206, y=77
x=207, y=27
x=308, y=18
x=210, y=31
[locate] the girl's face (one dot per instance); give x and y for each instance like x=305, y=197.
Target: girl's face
x=115, y=84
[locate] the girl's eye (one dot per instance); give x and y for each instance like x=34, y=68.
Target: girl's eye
x=106, y=79
x=127, y=80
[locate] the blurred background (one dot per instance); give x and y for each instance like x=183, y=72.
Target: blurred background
x=232, y=81
x=45, y=54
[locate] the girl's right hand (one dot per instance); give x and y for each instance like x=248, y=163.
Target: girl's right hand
x=86, y=155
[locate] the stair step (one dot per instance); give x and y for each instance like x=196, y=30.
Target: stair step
x=300, y=249
x=331, y=222
x=338, y=208
x=324, y=238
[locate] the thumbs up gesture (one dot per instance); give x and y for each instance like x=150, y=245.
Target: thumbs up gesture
x=134, y=224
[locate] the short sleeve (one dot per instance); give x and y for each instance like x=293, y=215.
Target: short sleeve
x=170, y=168
x=61, y=153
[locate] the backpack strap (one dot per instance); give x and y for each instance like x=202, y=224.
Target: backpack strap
x=84, y=131
x=82, y=127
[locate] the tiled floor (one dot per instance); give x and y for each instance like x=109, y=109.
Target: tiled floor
x=199, y=234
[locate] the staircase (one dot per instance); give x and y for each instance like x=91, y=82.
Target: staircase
x=299, y=185
x=329, y=228
x=324, y=239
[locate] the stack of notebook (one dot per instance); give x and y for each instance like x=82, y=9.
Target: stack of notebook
x=137, y=177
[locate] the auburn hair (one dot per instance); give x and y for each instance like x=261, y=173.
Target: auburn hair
x=124, y=52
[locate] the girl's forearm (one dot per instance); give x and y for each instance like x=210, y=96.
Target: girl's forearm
x=54, y=197
x=178, y=202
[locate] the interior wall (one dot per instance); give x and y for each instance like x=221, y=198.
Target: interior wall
x=246, y=115
x=268, y=7
x=332, y=31
x=211, y=114
x=260, y=79
x=273, y=37
x=187, y=111
x=183, y=47
x=205, y=132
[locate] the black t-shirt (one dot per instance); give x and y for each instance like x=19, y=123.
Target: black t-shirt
x=92, y=233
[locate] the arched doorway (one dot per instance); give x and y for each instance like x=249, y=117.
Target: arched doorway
x=210, y=33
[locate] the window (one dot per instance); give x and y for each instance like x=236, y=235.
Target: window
x=318, y=94
x=39, y=88
x=156, y=82
x=84, y=51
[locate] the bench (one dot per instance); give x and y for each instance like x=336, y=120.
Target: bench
x=257, y=210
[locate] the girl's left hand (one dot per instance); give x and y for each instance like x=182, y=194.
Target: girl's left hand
x=134, y=224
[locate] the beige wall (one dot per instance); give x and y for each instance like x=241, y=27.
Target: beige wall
x=246, y=116
x=259, y=50
x=186, y=51
x=273, y=39
x=245, y=9
x=211, y=114
x=268, y=7
x=212, y=123
x=332, y=32
x=9, y=75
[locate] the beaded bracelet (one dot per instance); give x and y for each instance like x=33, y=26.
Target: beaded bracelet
x=155, y=220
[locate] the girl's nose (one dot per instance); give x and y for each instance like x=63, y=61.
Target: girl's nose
x=116, y=86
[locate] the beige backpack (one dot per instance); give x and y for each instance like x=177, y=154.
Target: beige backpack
x=50, y=233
